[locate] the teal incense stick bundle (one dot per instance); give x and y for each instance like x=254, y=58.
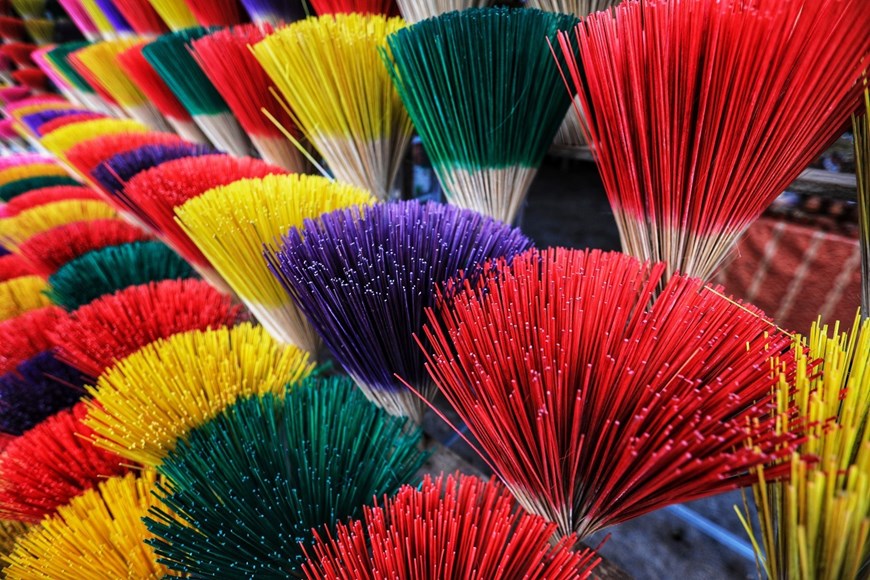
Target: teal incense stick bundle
x=485, y=96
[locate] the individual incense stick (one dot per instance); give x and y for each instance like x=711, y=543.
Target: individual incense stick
x=221, y=55
x=275, y=12
x=459, y=528
x=170, y=57
x=387, y=7
x=65, y=138
x=196, y=375
x=80, y=17
x=52, y=249
x=364, y=277
x=486, y=111
x=815, y=525
x=142, y=17
x=26, y=171
x=113, y=174
x=10, y=191
x=216, y=12
x=687, y=176
x=100, y=60
x=51, y=464
x=98, y=534
x=26, y=336
x=417, y=10
x=46, y=195
x=37, y=389
x=107, y=270
x=150, y=83
x=230, y=225
x=175, y=13
x=110, y=328
x=15, y=231
x=861, y=131
x=595, y=403
x=327, y=466
x=158, y=191
x=350, y=113
x=89, y=154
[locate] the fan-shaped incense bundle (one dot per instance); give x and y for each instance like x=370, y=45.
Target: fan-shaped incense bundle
x=595, y=404
x=37, y=389
x=12, y=29
x=459, y=528
x=114, y=268
x=26, y=336
x=230, y=225
x=63, y=121
x=100, y=60
x=113, y=174
x=216, y=12
x=80, y=17
x=349, y=112
x=51, y=464
x=33, y=170
x=35, y=121
x=815, y=525
x=170, y=57
x=861, y=132
x=387, y=7
x=84, y=92
x=19, y=52
x=11, y=191
x=20, y=295
x=275, y=12
x=88, y=155
x=175, y=13
x=32, y=78
x=13, y=266
x=416, y=10
x=142, y=17
x=100, y=19
x=24, y=159
x=482, y=90
x=156, y=193
x=364, y=277
x=46, y=195
x=221, y=55
x=150, y=83
x=41, y=30
x=328, y=451
x=195, y=375
x=114, y=16
x=13, y=93
x=14, y=231
x=29, y=8
x=111, y=328
x=65, y=138
x=52, y=249
x=687, y=176
x=97, y=535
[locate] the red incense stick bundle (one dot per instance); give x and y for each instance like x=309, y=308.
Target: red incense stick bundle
x=141, y=16
x=86, y=156
x=50, y=126
x=32, y=78
x=387, y=7
x=461, y=528
x=221, y=55
x=14, y=266
x=26, y=335
x=46, y=195
x=217, y=12
x=701, y=112
x=596, y=403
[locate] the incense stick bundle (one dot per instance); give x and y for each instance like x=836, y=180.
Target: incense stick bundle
x=107, y=270
x=41, y=30
x=32, y=78
x=14, y=266
x=150, y=83
x=62, y=140
x=32, y=170
x=11, y=191
x=101, y=60
x=482, y=90
x=385, y=7
x=10, y=531
x=110, y=28
x=14, y=93
x=175, y=14
x=88, y=155
x=64, y=120
x=156, y=193
x=50, y=250
x=416, y=10
x=687, y=176
x=216, y=12
x=328, y=451
x=34, y=121
x=29, y=8
x=195, y=375
x=350, y=112
x=861, y=131
x=22, y=294
x=459, y=528
x=19, y=52
x=26, y=336
x=594, y=403
x=275, y=12
x=114, y=16
x=170, y=57
x=12, y=29
x=111, y=328
x=15, y=231
x=38, y=388
x=85, y=93
x=815, y=525
x=50, y=465
x=47, y=195
x=221, y=55
x=113, y=174
x=230, y=225
x=80, y=17
x=98, y=534
x=24, y=158
x=142, y=17
x=364, y=277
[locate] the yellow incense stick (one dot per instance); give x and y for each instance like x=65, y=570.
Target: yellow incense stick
x=19, y=295
x=99, y=19
x=65, y=138
x=175, y=14
x=32, y=170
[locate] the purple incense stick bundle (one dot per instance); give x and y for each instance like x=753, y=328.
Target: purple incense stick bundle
x=35, y=120
x=275, y=12
x=364, y=278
